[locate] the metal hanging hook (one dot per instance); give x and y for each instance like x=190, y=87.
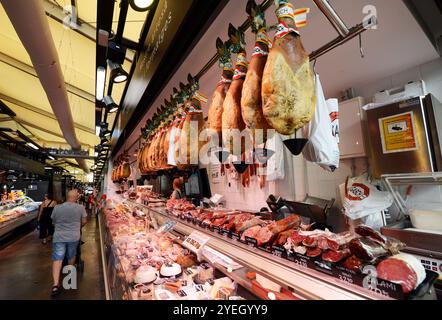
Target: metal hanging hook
x=361, y=49
x=314, y=66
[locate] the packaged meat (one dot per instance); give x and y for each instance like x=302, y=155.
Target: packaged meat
x=403, y=269
x=288, y=90
x=367, y=249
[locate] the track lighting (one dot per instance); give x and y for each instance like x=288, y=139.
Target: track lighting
x=141, y=5
x=118, y=75
x=110, y=104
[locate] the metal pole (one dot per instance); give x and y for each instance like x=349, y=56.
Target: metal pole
x=330, y=13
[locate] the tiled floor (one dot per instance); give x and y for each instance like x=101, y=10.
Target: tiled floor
x=25, y=269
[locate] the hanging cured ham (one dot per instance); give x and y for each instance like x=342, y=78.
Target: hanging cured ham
x=193, y=124
x=232, y=118
x=251, y=100
x=288, y=90
x=216, y=106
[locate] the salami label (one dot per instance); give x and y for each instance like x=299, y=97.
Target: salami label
x=260, y=52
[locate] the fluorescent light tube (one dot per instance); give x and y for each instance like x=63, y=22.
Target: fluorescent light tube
x=101, y=81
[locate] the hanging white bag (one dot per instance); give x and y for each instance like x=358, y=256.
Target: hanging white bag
x=322, y=147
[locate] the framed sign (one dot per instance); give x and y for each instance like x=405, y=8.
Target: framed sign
x=398, y=133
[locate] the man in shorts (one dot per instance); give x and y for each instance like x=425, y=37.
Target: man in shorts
x=68, y=219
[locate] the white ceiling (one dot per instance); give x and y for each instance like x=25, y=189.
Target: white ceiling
x=398, y=44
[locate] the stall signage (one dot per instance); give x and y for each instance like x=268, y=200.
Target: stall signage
x=165, y=26
x=195, y=241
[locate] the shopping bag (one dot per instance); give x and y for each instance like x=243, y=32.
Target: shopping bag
x=322, y=147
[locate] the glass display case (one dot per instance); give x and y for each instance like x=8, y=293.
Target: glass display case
x=17, y=212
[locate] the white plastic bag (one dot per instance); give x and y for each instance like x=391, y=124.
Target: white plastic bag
x=322, y=147
x=361, y=199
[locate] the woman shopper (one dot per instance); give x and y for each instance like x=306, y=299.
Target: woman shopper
x=44, y=218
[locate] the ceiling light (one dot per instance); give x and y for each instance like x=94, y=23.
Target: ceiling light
x=141, y=5
x=97, y=131
x=51, y=158
x=101, y=80
x=110, y=104
x=118, y=75
x=96, y=154
x=48, y=168
x=33, y=146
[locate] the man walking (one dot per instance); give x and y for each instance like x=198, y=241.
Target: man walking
x=68, y=219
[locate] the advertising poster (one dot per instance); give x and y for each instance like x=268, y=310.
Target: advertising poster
x=398, y=133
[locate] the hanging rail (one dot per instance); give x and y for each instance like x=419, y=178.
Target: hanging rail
x=327, y=9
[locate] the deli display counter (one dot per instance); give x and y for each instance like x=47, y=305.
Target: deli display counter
x=279, y=271
x=16, y=213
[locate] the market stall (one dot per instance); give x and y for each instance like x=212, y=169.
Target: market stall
x=15, y=211
x=245, y=158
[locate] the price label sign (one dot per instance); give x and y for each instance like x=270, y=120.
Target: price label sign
x=195, y=241
x=251, y=242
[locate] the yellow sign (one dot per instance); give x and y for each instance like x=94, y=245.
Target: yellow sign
x=398, y=133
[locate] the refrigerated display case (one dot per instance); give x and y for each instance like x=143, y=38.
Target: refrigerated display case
x=16, y=213
x=279, y=275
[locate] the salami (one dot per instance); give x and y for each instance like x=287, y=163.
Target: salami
x=288, y=90
x=403, y=269
x=367, y=249
x=335, y=256
x=313, y=252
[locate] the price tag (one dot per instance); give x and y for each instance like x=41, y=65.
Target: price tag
x=279, y=251
x=265, y=249
x=195, y=241
x=216, y=229
x=235, y=236
x=225, y=232
x=302, y=261
x=251, y=242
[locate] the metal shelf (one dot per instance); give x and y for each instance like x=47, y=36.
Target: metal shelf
x=304, y=283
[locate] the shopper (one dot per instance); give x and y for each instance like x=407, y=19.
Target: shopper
x=177, y=189
x=44, y=218
x=91, y=203
x=68, y=219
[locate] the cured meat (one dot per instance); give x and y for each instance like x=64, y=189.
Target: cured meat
x=313, y=252
x=353, y=263
x=189, y=144
x=403, y=269
x=296, y=238
x=365, y=231
x=216, y=106
x=251, y=232
x=240, y=227
x=282, y=237
x=288, y=90
x=232, y=118
x=251, y=99
x=337, y=241
x=367, y=249
x=268, y=233
x=335, y=256
x=310, y=242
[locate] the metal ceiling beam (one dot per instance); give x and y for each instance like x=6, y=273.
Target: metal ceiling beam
x=42, y=112
x=85, y=29
x=31, y=71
